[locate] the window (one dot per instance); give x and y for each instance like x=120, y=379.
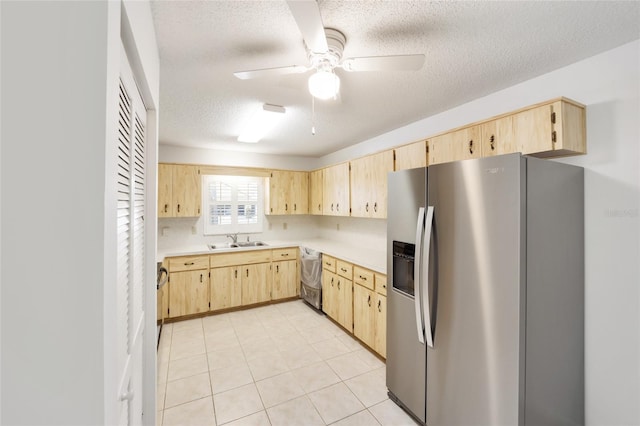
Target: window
x=233, y=204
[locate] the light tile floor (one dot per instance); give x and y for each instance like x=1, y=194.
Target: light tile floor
x=282, y=364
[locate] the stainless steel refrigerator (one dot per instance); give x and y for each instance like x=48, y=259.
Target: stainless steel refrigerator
x=485, y=320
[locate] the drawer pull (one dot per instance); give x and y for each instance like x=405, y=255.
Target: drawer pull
x=327, y=263
x=343, y=270
x=362, y=278
x=189, y=263
x=284, y=254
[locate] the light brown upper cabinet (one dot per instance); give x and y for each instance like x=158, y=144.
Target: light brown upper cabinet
x=553, y=129
x=288, y=192
x=179, y=190
x=411, y=156
x=498, y=137
x=335, y=191
x=462, y=144
x=369, y=185
x=316, y=183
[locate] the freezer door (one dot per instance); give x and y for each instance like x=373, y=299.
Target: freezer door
x=475, y=368
x=406, y=355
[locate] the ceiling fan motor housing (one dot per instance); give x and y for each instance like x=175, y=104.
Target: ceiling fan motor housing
x=331, y=58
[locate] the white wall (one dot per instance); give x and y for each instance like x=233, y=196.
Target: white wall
x=609, y=84
x=60, y=64
x=175, y=154
x=54, y=73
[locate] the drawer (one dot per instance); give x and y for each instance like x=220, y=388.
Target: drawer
x=329, y=263
x=290, y=253
x=381, y=283
x=344, y=269
x=364, y=277
x=240, y=258
x=190, y=263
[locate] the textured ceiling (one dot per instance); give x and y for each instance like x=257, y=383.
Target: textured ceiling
x=472, y=49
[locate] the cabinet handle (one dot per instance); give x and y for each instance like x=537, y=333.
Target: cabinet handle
x=295, y=207
x=277, y=269
x=247, y=272
x=319, y=207
x=284, y=254
x=286, y=207
x=375, y=207
x=366, y=208
x=236, y=271
x=343, y=270
x=166, y=208
x=331, y=206
x=200, y=277
x=189, y=263
x=379, y=310
x=471, y=146
x=338, y=284
x=362, y=278
x=331, y=281
x=492, y=141
x=178, y=208
x=369, y=301
x=338, y=207
x=327, y=263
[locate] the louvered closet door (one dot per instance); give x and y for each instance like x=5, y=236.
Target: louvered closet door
x=131, y=208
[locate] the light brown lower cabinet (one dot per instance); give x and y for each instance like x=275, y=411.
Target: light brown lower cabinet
x=380, y=333
x=364, y=316
x=189, y=292
x=256, y=283
x=226, y=288
x=284, y=282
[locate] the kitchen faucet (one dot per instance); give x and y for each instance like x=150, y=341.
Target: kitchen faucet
x=234, y=237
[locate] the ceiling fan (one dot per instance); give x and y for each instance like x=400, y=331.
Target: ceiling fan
x=325, y=47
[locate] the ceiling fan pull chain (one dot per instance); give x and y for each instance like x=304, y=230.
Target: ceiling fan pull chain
x=313, y=116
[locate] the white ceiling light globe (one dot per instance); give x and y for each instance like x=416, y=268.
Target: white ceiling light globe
x=324, y=84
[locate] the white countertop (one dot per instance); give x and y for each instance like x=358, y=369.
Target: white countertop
x=371, y=258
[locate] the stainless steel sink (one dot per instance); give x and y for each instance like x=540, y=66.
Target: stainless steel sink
x=251, y=243
x=221, y=246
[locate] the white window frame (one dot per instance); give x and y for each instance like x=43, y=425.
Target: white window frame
x=234, y=227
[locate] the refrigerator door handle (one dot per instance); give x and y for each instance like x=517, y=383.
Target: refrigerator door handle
x=425, y=264
x=417, y=284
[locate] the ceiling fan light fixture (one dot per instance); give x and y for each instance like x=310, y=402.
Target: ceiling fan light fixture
x=324, y=84
x=262, y=121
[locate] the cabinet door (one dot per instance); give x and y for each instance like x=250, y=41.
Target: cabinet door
x=299, y=193
x=533, y=129
x=188, y=293
x=461, y=144
x=187, y=196
x=226, y=289
x=256, y=283
x=315, y=192
x=364, y=319
x=361, y=196
x=284, y=279
x=411, y=156
x=380, y=314
x=344, y=294
x=329, y=294
x=336, y=190
x=165, y=185
x=279, y=183
x=381, y=164
x=498, y=137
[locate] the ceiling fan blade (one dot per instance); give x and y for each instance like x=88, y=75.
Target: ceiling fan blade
x=307, y=16
x=384, y=63
x=269, y=72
